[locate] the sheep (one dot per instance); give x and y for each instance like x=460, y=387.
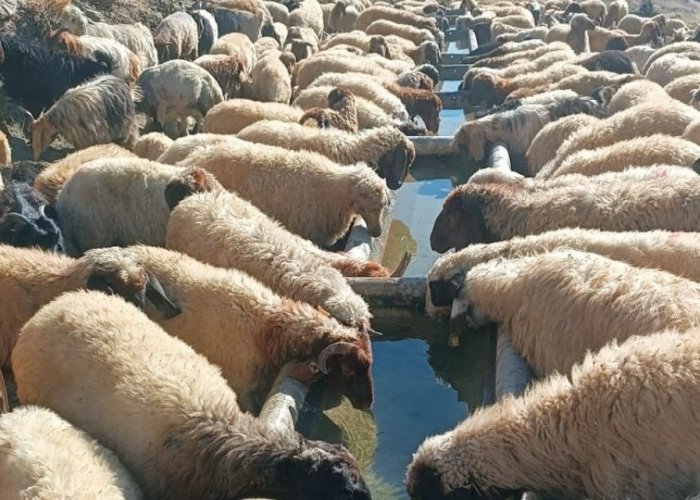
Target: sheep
x=341, y=112
x=235, y=19
x=271, y=81
x=230, y=117
x=135, y=37
x=687, y=48
x=517, y=128
x=583, y=83
x=266, y=45
x=576, y=34
x=307, y=15
x=641, y=120
x=512, y=51
x=236, y=44
x=96, y=112
x=375, y=13
x=36, y=77
x=692, y=132
x=176, y=90
x=43, y=456
x=641, y=151
x=123, y=63
x=640, y=54
x=612, y=299
x=634, y=93
x=51, y=180
x=670, y=67
x=419, y=102
x=424, y=76
x=310, y=69
x=229, y=72
x=536, y=442
x=278, y=11
x=544, y=145
x=415, y=35
x=594, y=9
x=492, y=90
x=633, y=23
x=26, y=220
x=650, y=34
x=476, y=213
x=617, y=9
x=342, y=17
x=302, y=42
x=177, y=37
x=183, y=146
x=682, y=88
x=207, y=30
x=267, y=175
x=368, y=88
x=181, y=398
x=385, y=149
x=120, y=201
x=226, y=231
x=262, y=331
x=153, y=145
x=668, y=251
x=32, y=278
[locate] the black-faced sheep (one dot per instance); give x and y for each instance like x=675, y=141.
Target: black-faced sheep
x=207, y=30
x=32, y=278
x=97, y=112
x=176, y=90
x=43, y=456
x=224, y=230
x=36, y=77
x=385, y=149
x=482, y=213
x=26, y=220
x=267, y=176
x=567, y=434
x=274, y=329
x=165, y=410
x=341, y=112
x=120, y=201
x=177, y=37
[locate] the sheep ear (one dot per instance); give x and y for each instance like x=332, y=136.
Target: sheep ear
x=477, y=146
x=156, y=296
x=397, y=169
x=4, y=399
x=188, y=182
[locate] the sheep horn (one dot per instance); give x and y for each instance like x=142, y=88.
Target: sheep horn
x=157, y=296
x=335, y=349
x=403, y=265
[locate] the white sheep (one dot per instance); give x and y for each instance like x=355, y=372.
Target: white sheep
x=43, y=456
x=230, y=117
x=567, y=435
x=636, y=92
x=683, y=88
x=633, y=23
x=118, y=201
x=260, y=331
x=268, y=177
x=97, y=112
x=176, y=90
x=183, y=146
x=224, y=230
x=236, y=44
x=307, y=15
x=385, y=149
x=684, y=48
x=271, y=80
x=139, y=391
x=136, y=37
x=386, y=28
x=640, y=54
x=152, y=145
x=307, y=71
x=692, y=132
x=177, y=37
x=671, y=66
x=641, y=151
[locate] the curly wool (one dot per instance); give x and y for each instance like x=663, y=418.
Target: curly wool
x=230, y=117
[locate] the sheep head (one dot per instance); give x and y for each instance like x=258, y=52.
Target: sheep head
x=488, y=89
x=370, y=200
x=444, y=291
x=429, y=111
x=462, y=221
x=394, y=165
x=189, y=181
x=289, y=60
x=651, y=33
x=320, y=470
x=471, y=139
x=430, y=53
x=166, y=50
x=378, y=45
x=27, y=220
x=349, y=370
x=581, y=23
x=43, y=132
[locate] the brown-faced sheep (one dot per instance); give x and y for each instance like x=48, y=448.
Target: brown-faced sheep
x=120, y=201
x=385, y=149
x=419, y=102
x=31, y=278
x=51, y=180
x=565, y=435
x=230, y=117
x=236, y=44
x=268, y=177
x=126, y=374
x=482, y=213
x=229, y=72
x=153, y=145
x=633, y=23
x=639, y=152
x=224, y=230
x=97, y=112
x=576, y=34
x=43, y=456
x=177, y=37
x=341, y=112
x=261, y=330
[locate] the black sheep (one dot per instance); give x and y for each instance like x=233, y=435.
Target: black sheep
x=26, y=220
x=36, y=77
x=616, y=61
